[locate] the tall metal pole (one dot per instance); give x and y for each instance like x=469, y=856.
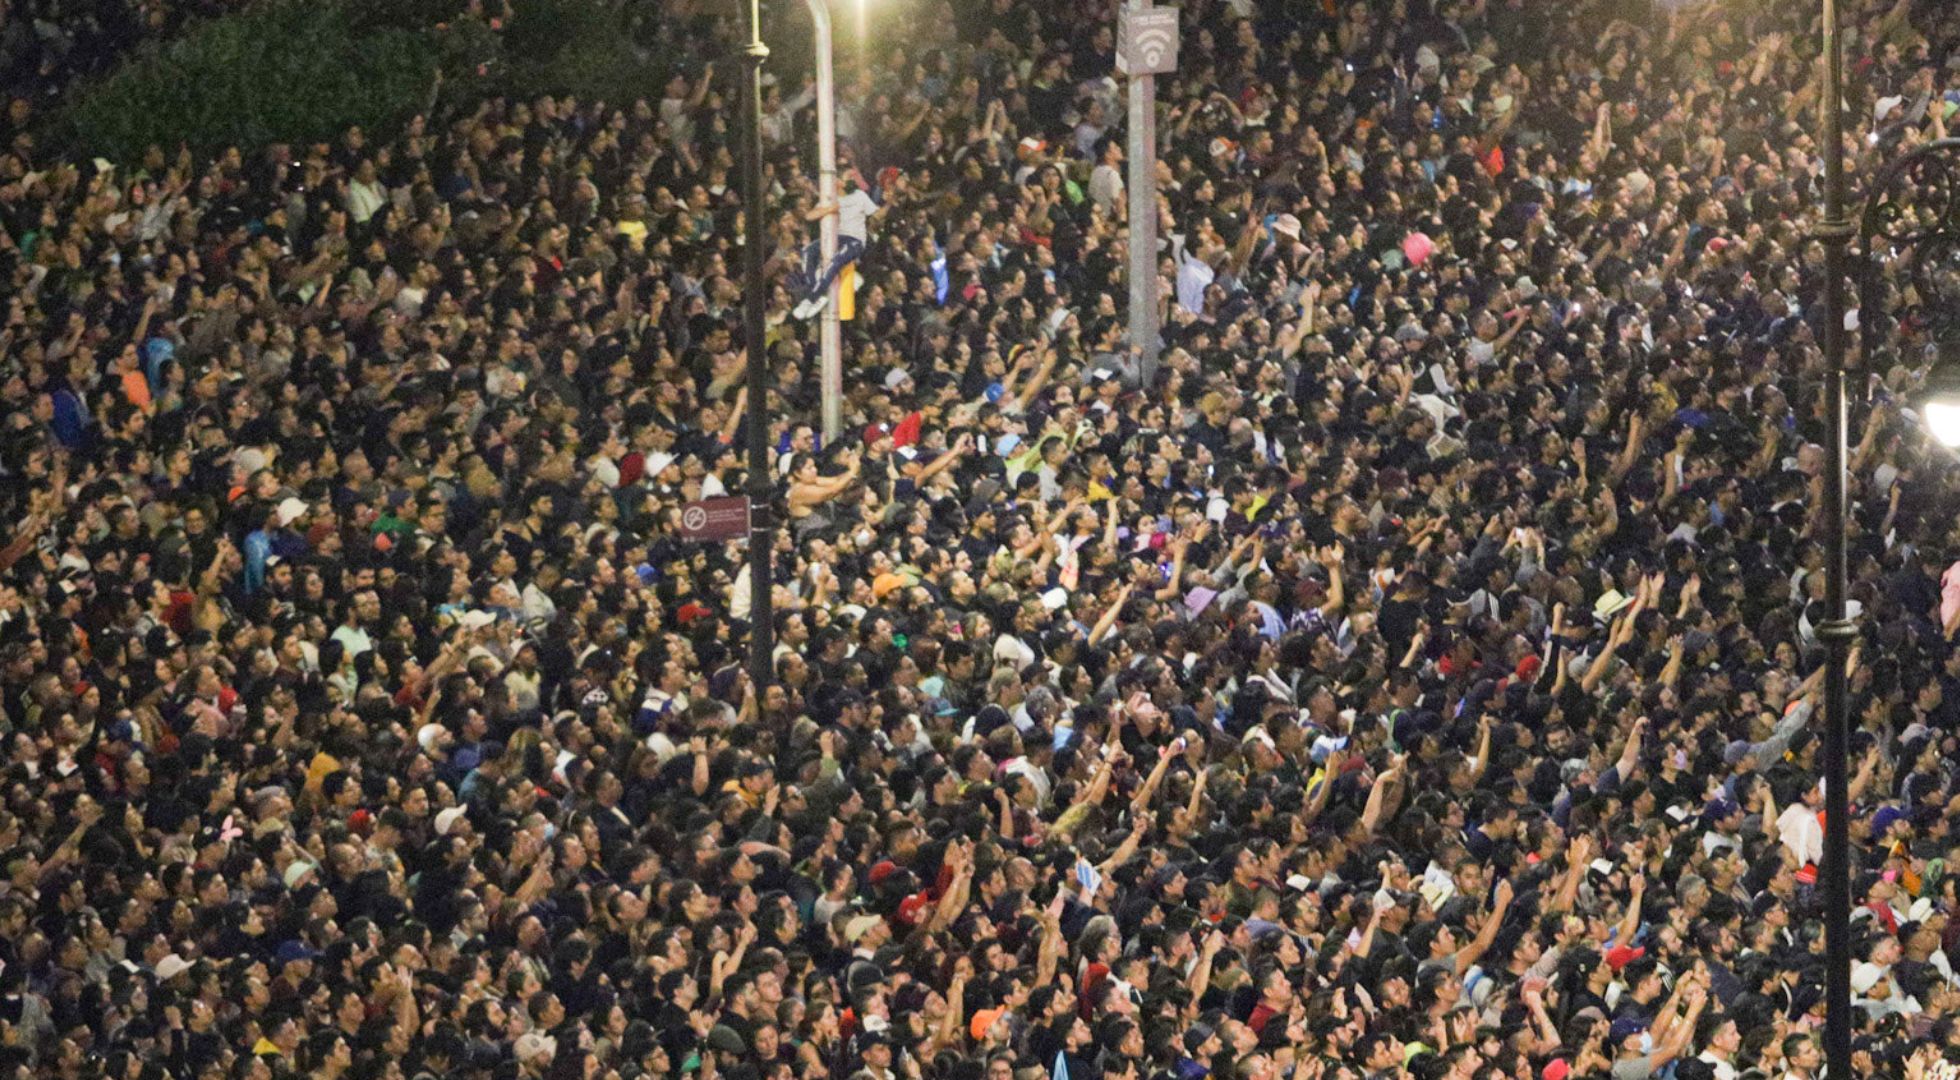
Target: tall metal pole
x=762, y=528
x=1142, y=183
x=1837, y=631
x=829, y=337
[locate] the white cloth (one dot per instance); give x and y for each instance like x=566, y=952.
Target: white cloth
x=1802, y=833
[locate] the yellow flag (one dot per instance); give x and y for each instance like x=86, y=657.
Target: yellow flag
x=847, y=293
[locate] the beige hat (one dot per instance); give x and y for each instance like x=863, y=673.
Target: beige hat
x=531, y=1046
x=856, y=928
x=447, y=820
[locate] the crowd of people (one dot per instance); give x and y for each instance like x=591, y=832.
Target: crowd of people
x=1413, y=674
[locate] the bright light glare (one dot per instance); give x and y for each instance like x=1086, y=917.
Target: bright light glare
x=1943, y=419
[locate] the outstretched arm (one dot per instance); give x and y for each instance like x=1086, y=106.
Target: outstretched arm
x=1471, y=953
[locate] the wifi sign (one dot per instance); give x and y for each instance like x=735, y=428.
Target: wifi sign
x=1146, y=40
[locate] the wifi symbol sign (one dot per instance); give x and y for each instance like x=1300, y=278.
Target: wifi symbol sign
x=1146, y=41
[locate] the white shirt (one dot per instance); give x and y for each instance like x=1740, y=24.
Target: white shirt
x=353, y=639
x=1194, y=275
x=853, y=214
x=1106, y=186
x=365, y=200
x=680, y=126
x=539, y=609
x=1012, y=650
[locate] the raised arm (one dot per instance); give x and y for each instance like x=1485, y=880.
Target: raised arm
x=701, y=85
x=1629, y=453
x=1482, y=762
x=954, y=900
x=1110, y=615
x=1577, y=855
x=1630, y=752
x=1126, y=850
x=1378, y=795
x=1630, y=921
x=1140, y=803
x=1200, y=980
x=1467, y=956
x=1039, y=381
x=1171, y=589
x=1332, y=558
x=1049, y=953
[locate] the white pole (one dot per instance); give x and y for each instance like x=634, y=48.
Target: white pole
x=829, y=338
x=1142, y=154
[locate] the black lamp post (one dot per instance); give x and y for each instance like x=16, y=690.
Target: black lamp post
x=762, y=528
x=1836, y=631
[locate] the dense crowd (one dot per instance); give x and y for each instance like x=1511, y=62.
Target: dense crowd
x=1414, y=675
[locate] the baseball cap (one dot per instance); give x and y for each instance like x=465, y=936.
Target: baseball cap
x=855, y=929
x=532, y=1045
x=446, y=820
x=983, y=1022
x=1199, y=1034
x=292, y=952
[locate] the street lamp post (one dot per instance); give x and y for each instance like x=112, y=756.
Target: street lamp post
x=1146, y=47
x=1836, y=631
x=829, y=332
x=762, y=529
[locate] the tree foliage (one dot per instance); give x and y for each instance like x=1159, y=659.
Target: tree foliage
x=306, y=70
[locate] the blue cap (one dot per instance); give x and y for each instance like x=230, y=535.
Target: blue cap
x=291, y=952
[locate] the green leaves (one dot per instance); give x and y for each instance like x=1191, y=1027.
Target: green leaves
x=281, y=70
x=307, y=70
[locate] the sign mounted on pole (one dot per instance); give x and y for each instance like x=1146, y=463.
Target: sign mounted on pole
x=724, y=518
x=1146, y=40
